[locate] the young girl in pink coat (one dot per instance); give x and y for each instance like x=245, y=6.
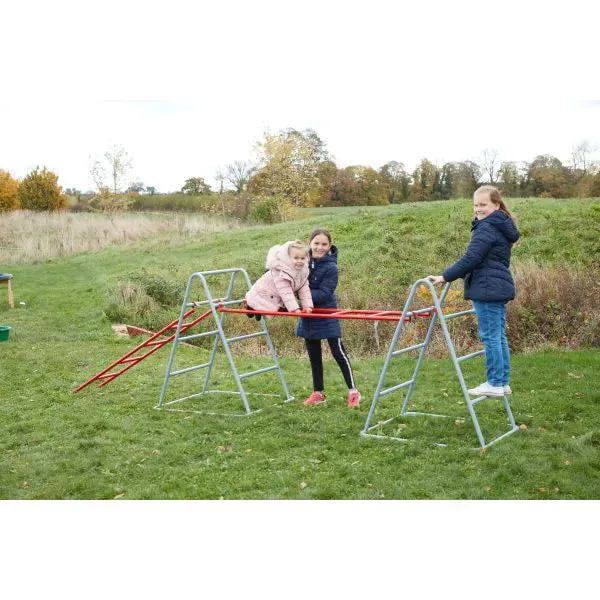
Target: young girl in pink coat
x=287, y=277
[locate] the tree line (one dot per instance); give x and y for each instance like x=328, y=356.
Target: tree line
x=293, y=168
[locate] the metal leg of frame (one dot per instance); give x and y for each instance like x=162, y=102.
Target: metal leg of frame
x=469, y=401
x=220, y=337
x=390, y=353
x=223, y=339
x=272, y=350
x=184, y=309
x=438, y=302
x=216, y=342
x=417, y=369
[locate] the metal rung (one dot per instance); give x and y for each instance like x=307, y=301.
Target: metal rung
x=131, y=359
x=480, y=398
x=113, y=375
x=408, y=349
x=202, y=302
x=380, y=424
x=244, y=375
x=155, y=343
x=189, y=369
x=245, y=337
x=472, y=355
x=424, y=414
x=510, y=432
x=383, y=437
x=197, y=335
x=459, y=314
x=228, y=302
x=396, y=387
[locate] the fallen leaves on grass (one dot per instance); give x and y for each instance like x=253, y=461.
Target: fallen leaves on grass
x=227, y=448
x=24, y=485
x=119, y=496
x=302, y=485
x=523, y=427
x=487, y=488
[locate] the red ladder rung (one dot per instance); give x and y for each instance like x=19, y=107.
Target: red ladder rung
x=106, y=375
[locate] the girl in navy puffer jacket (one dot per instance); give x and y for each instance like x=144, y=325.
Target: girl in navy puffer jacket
x=322, y=280
x=488, y=283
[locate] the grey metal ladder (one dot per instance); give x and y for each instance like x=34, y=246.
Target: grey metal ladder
x=410, y=384
x=220, y=337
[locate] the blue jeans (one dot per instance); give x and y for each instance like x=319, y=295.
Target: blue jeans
x=491, y=322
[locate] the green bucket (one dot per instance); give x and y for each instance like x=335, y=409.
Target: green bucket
x=4, y=330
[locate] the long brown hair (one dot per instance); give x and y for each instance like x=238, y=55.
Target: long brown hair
x=496, y=199
x=319, y=231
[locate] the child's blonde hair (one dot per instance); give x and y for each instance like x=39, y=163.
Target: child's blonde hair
x=297, y=245
x=496, y=198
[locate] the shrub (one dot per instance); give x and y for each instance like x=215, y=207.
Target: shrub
x=227, y=204
x=166, y=292
x=105, y=200
x=273, y=209
x=39, y=190
x=9, y=192
x=146, y=300
x=556, y=305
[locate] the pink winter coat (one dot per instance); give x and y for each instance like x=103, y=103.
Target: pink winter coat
x=280, y=284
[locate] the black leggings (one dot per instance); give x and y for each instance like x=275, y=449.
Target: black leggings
x=313, y=347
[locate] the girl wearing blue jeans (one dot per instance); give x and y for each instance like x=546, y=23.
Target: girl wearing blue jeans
x=488, y=283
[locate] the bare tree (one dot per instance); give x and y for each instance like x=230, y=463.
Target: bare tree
x=220, y=178
x=490, y=163
x=113, y=169
x=581, y=156
x=238, y=174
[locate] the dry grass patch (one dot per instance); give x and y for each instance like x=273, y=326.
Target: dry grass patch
x=556, y=307
x=28, y=236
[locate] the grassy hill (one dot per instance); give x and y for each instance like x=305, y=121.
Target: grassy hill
x=108, y=442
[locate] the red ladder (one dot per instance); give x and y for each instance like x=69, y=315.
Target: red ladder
x=152, y=343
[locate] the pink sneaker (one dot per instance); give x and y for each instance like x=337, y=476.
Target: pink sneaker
x=315, y=398
x=353, y=398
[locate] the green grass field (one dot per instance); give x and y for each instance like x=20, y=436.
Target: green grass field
x=110, y=442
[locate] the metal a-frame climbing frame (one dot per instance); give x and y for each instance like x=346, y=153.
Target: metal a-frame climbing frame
x=410, y=384
x=220, y=337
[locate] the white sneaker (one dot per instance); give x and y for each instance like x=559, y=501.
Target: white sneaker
x=507, y=390
x=485, y=389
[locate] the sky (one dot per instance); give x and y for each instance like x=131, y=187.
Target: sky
x=187, y=88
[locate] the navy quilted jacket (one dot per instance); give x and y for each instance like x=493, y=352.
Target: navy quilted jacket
x=484, y=266
x=322, y=279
